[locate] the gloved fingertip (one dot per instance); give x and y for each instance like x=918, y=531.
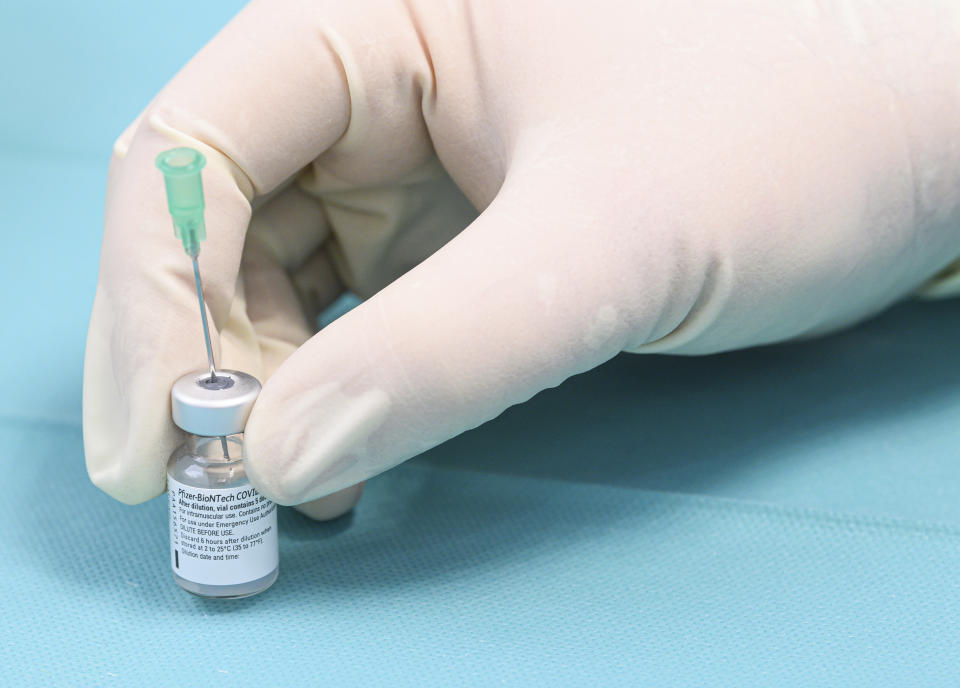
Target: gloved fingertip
x=305, y=440
x=334, y=505
x=124, y=485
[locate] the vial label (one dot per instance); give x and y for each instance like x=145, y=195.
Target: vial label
x=221, y=536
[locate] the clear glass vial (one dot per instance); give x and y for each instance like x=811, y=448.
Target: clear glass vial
x=223, y=533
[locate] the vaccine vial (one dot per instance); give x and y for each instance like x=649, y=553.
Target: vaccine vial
x=223, y=533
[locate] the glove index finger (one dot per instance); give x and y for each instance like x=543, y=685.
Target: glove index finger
x=145, y=330
x=503, y=311
x=145, y=327
x=274, y=90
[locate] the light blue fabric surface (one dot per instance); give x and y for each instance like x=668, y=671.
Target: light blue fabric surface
x=786, y=516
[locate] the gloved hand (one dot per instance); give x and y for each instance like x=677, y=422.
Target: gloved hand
x=682, y=177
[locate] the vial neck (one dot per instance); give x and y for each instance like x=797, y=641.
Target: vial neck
x=212, y=448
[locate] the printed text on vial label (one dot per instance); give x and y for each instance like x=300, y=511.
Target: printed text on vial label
x=222, y=537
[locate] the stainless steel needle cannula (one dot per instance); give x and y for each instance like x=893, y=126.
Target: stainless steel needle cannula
x=203, y=317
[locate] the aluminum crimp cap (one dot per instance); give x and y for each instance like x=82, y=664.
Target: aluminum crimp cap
x=213, y=407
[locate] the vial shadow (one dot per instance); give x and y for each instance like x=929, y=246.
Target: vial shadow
x=422, y=524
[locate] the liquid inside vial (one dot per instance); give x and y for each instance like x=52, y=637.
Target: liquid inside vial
x=223, y=533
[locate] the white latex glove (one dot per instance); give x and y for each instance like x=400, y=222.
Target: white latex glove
x=684, y=177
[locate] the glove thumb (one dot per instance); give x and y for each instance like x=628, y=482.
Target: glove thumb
x=509, y=307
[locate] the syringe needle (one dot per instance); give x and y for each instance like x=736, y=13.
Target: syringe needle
x=181, y=172
x=203, y=317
